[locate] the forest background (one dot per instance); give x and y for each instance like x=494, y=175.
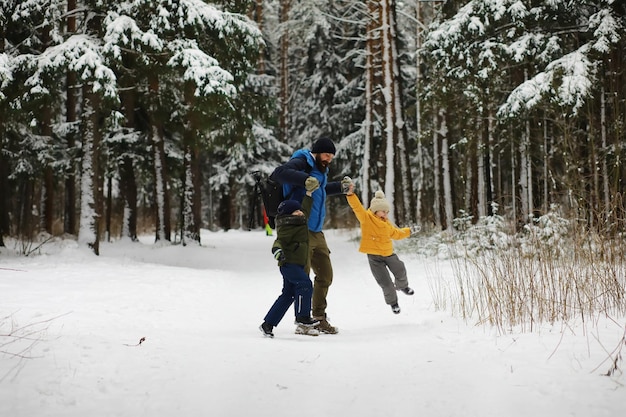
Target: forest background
x=121, y=117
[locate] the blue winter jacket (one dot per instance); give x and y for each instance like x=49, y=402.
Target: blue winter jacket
x=294, y=173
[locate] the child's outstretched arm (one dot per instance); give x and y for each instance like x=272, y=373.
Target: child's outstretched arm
x=398, y=233
x=357, y=207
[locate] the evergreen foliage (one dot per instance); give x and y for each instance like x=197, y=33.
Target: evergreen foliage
x=160, y=108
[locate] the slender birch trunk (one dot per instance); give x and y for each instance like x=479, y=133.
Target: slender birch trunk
x=46, y=131
x=370, y=85
x=513, y=183
x=419, y=189
x=403, y=187
x=188, y=233
x=481, y=180
x=605, y=152
x=387, y=89
x=160, y=168
x=489, y=180
x=546, y=161
x=481, y=152
x=445, y=165
x=69, y=222
x=91, y=176
x=436, y=172
x=285, y=6
x=192, y=185
x=161, y=193
x=128, y=184
x=594, y=198
x=524, y=179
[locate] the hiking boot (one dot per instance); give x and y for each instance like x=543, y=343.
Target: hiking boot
x=325, y=327
x=408, y=291
x=395, y=308
x=306, y=321
x=307, y=330
x=266, y=329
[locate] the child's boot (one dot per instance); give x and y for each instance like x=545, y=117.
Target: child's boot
x=307, y=330
x=266, y=329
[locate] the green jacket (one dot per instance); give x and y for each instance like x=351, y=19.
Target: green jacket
x=292, y=235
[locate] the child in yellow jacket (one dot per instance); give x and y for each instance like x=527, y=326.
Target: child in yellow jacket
x=377, y=233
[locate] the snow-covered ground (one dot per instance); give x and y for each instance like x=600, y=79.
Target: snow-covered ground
x=81, y=317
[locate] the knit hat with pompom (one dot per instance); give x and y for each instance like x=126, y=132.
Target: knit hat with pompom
x=379, y=202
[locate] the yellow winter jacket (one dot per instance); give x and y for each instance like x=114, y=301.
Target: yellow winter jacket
x=376, y=234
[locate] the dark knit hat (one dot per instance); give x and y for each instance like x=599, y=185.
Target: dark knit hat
x=323, y=145
x=288, y=207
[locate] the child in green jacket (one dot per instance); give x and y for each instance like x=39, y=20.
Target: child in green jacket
x=291, y=250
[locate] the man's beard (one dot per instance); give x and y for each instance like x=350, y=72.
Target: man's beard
x=321, y=164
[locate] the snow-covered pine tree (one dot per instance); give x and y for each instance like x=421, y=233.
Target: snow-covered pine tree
x=194, y=57
x=534, y=66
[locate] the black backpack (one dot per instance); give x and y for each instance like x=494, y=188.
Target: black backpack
x=272, y=195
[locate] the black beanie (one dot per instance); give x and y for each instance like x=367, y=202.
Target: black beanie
x=323, y=145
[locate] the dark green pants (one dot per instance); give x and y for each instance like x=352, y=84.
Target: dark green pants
x=319, y=262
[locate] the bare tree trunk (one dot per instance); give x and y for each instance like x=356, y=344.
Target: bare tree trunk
x=25, y=213
x=129, y=191
x=256, y=14
x=161, y=192
x=403, y=187
x=69, y=221
x=489, y=180
x=187, y=226
x=419, y=189
x=481, y=182
x=163, y=231
x=192, y=178
x=109, y=208
x=4, y=171
x=436, y=172
x=392, y=163
x=387, y=165
x=605, y=152
x=370, y=118
x=128, y=184
x=524, y=179
x=513, y=183
x=48, y=181
x=472, y=162
x=445, y=165
x=4, y=194
x=285, y=6
x=388, y=95
x=91, y=176
x=46, y=131
x=374, y=168
x=594, y=202
x=546, y=162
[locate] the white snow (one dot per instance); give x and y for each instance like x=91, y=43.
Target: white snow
x=199, y=309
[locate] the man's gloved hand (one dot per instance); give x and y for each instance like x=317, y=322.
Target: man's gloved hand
x=279, y=255
x=346, y=182
x=415, y=229
x=311, y=184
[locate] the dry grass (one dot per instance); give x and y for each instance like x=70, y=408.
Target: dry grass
x=553, y=272
x=18, y=342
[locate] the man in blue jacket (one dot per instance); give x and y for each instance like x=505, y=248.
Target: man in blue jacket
x=293, y=174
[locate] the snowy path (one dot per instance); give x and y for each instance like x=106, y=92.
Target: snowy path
x=199, y=309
